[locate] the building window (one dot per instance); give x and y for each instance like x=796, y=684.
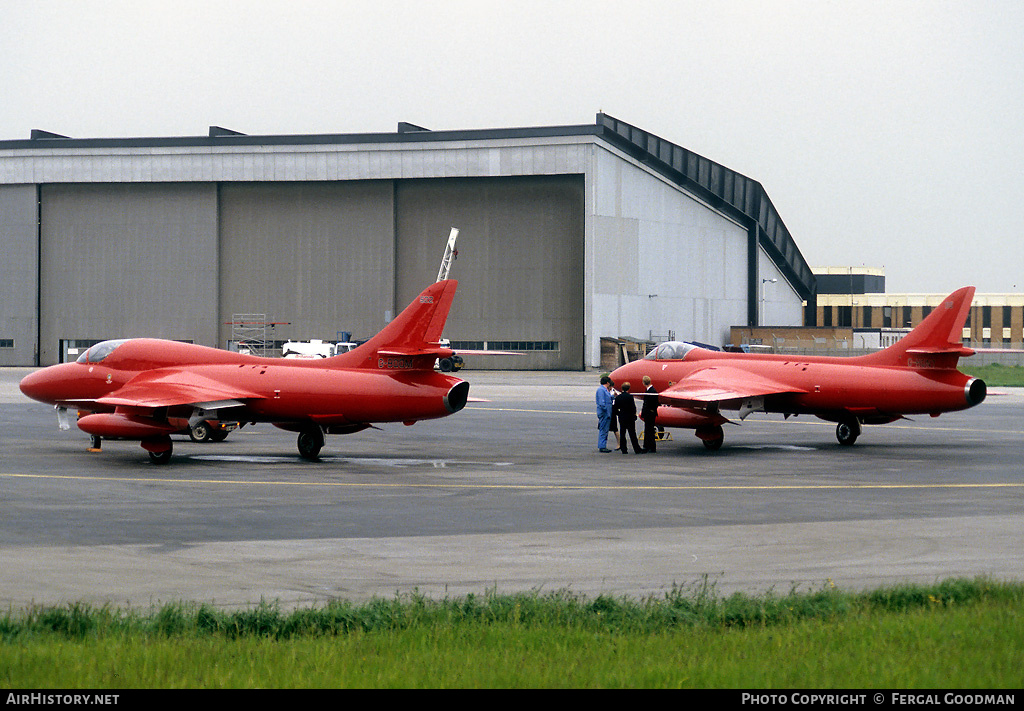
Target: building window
x=845, y=313
x=866, y=317
x=6, y=343
x=505, y=345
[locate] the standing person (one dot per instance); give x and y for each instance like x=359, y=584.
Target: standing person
x=649, y=413
x=604, y=413
x=625, y=408
x=613, y=428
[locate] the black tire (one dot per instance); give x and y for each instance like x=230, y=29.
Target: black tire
x=847, y=432
x=160, y=458
x=714, y=443
x=218, y=435
x=311, y=441
x=201, y=432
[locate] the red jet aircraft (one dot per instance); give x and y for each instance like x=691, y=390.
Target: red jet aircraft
x=916, y=375
x=127, y=389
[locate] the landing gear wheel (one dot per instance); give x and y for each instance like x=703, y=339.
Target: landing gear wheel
x=310, y=442
x=160, y=457
x=218, y=435
x=847, y=431
x=159, y=449
x=714, y=445
x=201, y=432
x=712, y=437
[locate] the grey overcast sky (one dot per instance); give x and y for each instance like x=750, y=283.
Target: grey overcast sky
x=887, y=132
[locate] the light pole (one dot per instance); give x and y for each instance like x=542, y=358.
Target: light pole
x=763, y=282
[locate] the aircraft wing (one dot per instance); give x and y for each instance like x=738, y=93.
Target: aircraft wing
x=168, y=388
x=722, y=383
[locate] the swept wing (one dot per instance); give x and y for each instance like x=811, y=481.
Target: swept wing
x=171, y=387
x=722, y=383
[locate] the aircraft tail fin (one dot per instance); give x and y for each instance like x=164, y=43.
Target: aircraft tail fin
x=411, y=340
x=936, y=342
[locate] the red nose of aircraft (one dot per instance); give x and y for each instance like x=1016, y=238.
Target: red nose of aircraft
x=625, y=374
x=50, y=385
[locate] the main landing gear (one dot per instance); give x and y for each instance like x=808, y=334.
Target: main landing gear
x=847, y=431
x=311, y=441
x=712, y=437
x=159, y=448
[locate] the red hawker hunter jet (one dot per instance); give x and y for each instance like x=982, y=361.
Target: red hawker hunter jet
x=141, y=389
x=916, y=375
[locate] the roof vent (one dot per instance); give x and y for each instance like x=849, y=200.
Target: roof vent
x=38, y=133
x=404, y=127
x=220, y=131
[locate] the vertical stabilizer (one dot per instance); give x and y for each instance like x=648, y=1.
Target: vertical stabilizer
x=936, y=342
x=410, y=341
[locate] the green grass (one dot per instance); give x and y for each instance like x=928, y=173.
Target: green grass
x=954, y=634
x=996, y=375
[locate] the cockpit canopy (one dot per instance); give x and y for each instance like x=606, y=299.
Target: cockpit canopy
x=100, y=351
x=670, y=350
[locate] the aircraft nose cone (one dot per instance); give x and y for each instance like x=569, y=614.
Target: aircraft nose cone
x=621, y=374
x=33, y=385
x=43, y=385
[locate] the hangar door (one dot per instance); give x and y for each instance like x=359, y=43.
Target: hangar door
x=519, y=267
x=19, y=272
x=314, y=257
x=124, y=260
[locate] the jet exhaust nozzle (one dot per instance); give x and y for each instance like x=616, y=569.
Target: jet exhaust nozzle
x=975, y=391
x=457, y=397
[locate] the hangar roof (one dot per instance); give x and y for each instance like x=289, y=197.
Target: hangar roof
x=736, y=195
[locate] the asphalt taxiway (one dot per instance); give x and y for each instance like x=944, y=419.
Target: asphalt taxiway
x=510, y=494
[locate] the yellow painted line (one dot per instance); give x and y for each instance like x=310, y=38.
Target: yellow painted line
x=546, y=412
x=531, y=487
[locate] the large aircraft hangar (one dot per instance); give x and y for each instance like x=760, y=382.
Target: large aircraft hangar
x=567, y=234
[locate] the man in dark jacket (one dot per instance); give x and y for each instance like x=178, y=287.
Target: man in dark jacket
x=624, y=409
x=649, y=412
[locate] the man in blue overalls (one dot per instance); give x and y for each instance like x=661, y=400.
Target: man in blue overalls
x=604, y=413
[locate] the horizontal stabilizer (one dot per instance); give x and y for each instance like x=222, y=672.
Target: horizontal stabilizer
x=462, y=351
x=405, y=352
x=963, y=351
